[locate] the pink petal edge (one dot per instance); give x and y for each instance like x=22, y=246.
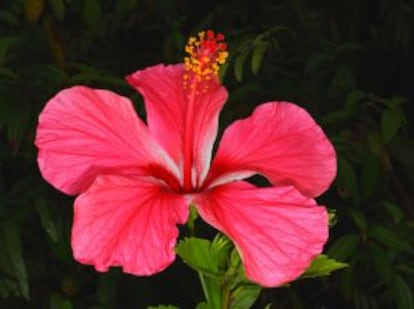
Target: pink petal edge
x=277, y=230
x=127, y=222
x=281, y=141
x=84, y=132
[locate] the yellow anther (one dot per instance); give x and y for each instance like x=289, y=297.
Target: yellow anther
x=204, y=57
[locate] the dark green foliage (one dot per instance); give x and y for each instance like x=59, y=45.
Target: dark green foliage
x=348, y=62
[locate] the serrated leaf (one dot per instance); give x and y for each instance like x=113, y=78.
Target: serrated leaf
x=197, y=254
x=222, y=247
x=322, y=266
x=14, y=248
x=257, y=56
x=344, y=247
x=244, y=296
x=206, y=258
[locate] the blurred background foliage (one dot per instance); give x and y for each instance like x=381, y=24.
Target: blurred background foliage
x=348, y=62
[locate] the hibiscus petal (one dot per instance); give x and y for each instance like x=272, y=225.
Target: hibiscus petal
x=85, y=132
x=127, y=222
x=281, y=141
x=277, y=230
x=167, y=106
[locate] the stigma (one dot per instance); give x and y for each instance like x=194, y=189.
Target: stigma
x=205, y=55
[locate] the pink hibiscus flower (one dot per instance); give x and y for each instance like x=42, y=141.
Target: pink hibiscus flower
x=136, y=181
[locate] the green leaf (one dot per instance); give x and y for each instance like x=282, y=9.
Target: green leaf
x=46, y=218
x=8, y=18
x=15, y=250
x=333, y=219
x=390, y=122
x=223, y=71
x=396, y=212
x=239, y=65
x=358, y=217
x=336, y=117
x=57, y=301
x=390, y=239
x=403, y=294
x=6, y=43
x=222, y=247
x=17, y=125
x=244, y=296
x=353, y=99
x=343, y=78
x=315, y=62
x=210, y=260
x=381, y=261
x=58, y=7
x=376, y=143
x=203, y=305
x=92, y=13
x=344, y=247
x=197, y=254
x=322, y=266
x=370, y=175
x=258, y=54
x=212, y=288
x=347, y=180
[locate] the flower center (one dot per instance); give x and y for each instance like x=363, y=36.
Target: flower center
x=205, y=55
